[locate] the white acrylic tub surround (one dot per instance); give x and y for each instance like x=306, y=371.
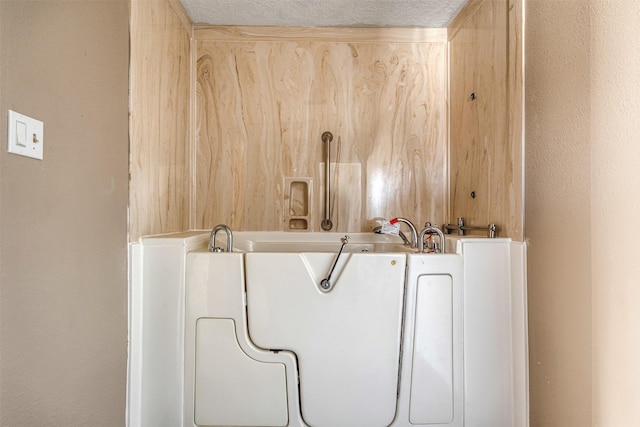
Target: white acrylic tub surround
x=229, y=380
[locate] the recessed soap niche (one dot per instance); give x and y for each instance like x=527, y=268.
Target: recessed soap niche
x=297, y=203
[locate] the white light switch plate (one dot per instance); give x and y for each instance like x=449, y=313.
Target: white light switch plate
x=26, y=136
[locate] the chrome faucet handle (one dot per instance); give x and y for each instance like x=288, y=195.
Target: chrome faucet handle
x=431, y=230
x=429, y=224
x=212, y=239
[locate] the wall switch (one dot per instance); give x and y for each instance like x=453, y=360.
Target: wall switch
x=26, y=136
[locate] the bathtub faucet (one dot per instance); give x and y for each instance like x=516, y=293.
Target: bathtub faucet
x=429, y=229
x=378, y=230
x=414, y=232
x=212, y=240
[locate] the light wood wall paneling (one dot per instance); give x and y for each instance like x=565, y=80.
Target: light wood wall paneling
x=466, y=13
x=159, y=119
x=263, y=102
x=320, y=34
x=485, y=153
x=515, y=120
x=181, y=14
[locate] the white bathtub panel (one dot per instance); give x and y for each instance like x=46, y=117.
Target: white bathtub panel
x=161, y=311
x=216, y=290
x=231, y=388
x=520, y=334
x=134, y=362
x=347, y=341
x=432, y=370
x=431, y=382
x=488, y=357
x=162, y=329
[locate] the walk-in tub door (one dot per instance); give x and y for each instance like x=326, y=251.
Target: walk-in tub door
x=347, y=341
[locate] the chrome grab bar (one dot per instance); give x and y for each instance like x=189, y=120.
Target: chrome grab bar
x=212, y=239
x=326, y=223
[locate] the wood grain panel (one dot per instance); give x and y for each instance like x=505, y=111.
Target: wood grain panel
x=159, y=119
x=461, y=19
x=515, y=119
x=320, y=34
x=262, y=106
x=182, y=15
x=485, y=153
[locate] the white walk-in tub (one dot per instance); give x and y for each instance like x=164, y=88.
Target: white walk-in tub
x=250, y=338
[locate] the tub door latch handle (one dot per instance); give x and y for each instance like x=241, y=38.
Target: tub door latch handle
x=325, y=284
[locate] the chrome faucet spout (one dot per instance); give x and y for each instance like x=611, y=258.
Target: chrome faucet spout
x=378, y=230
x=414, y=232
x=212, y=239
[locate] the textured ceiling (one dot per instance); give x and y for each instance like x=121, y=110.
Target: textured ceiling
x=325, y=13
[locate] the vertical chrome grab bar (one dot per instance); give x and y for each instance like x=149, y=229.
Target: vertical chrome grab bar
x=326, y=224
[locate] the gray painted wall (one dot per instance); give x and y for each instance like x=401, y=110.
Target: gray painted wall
x=63, y=220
